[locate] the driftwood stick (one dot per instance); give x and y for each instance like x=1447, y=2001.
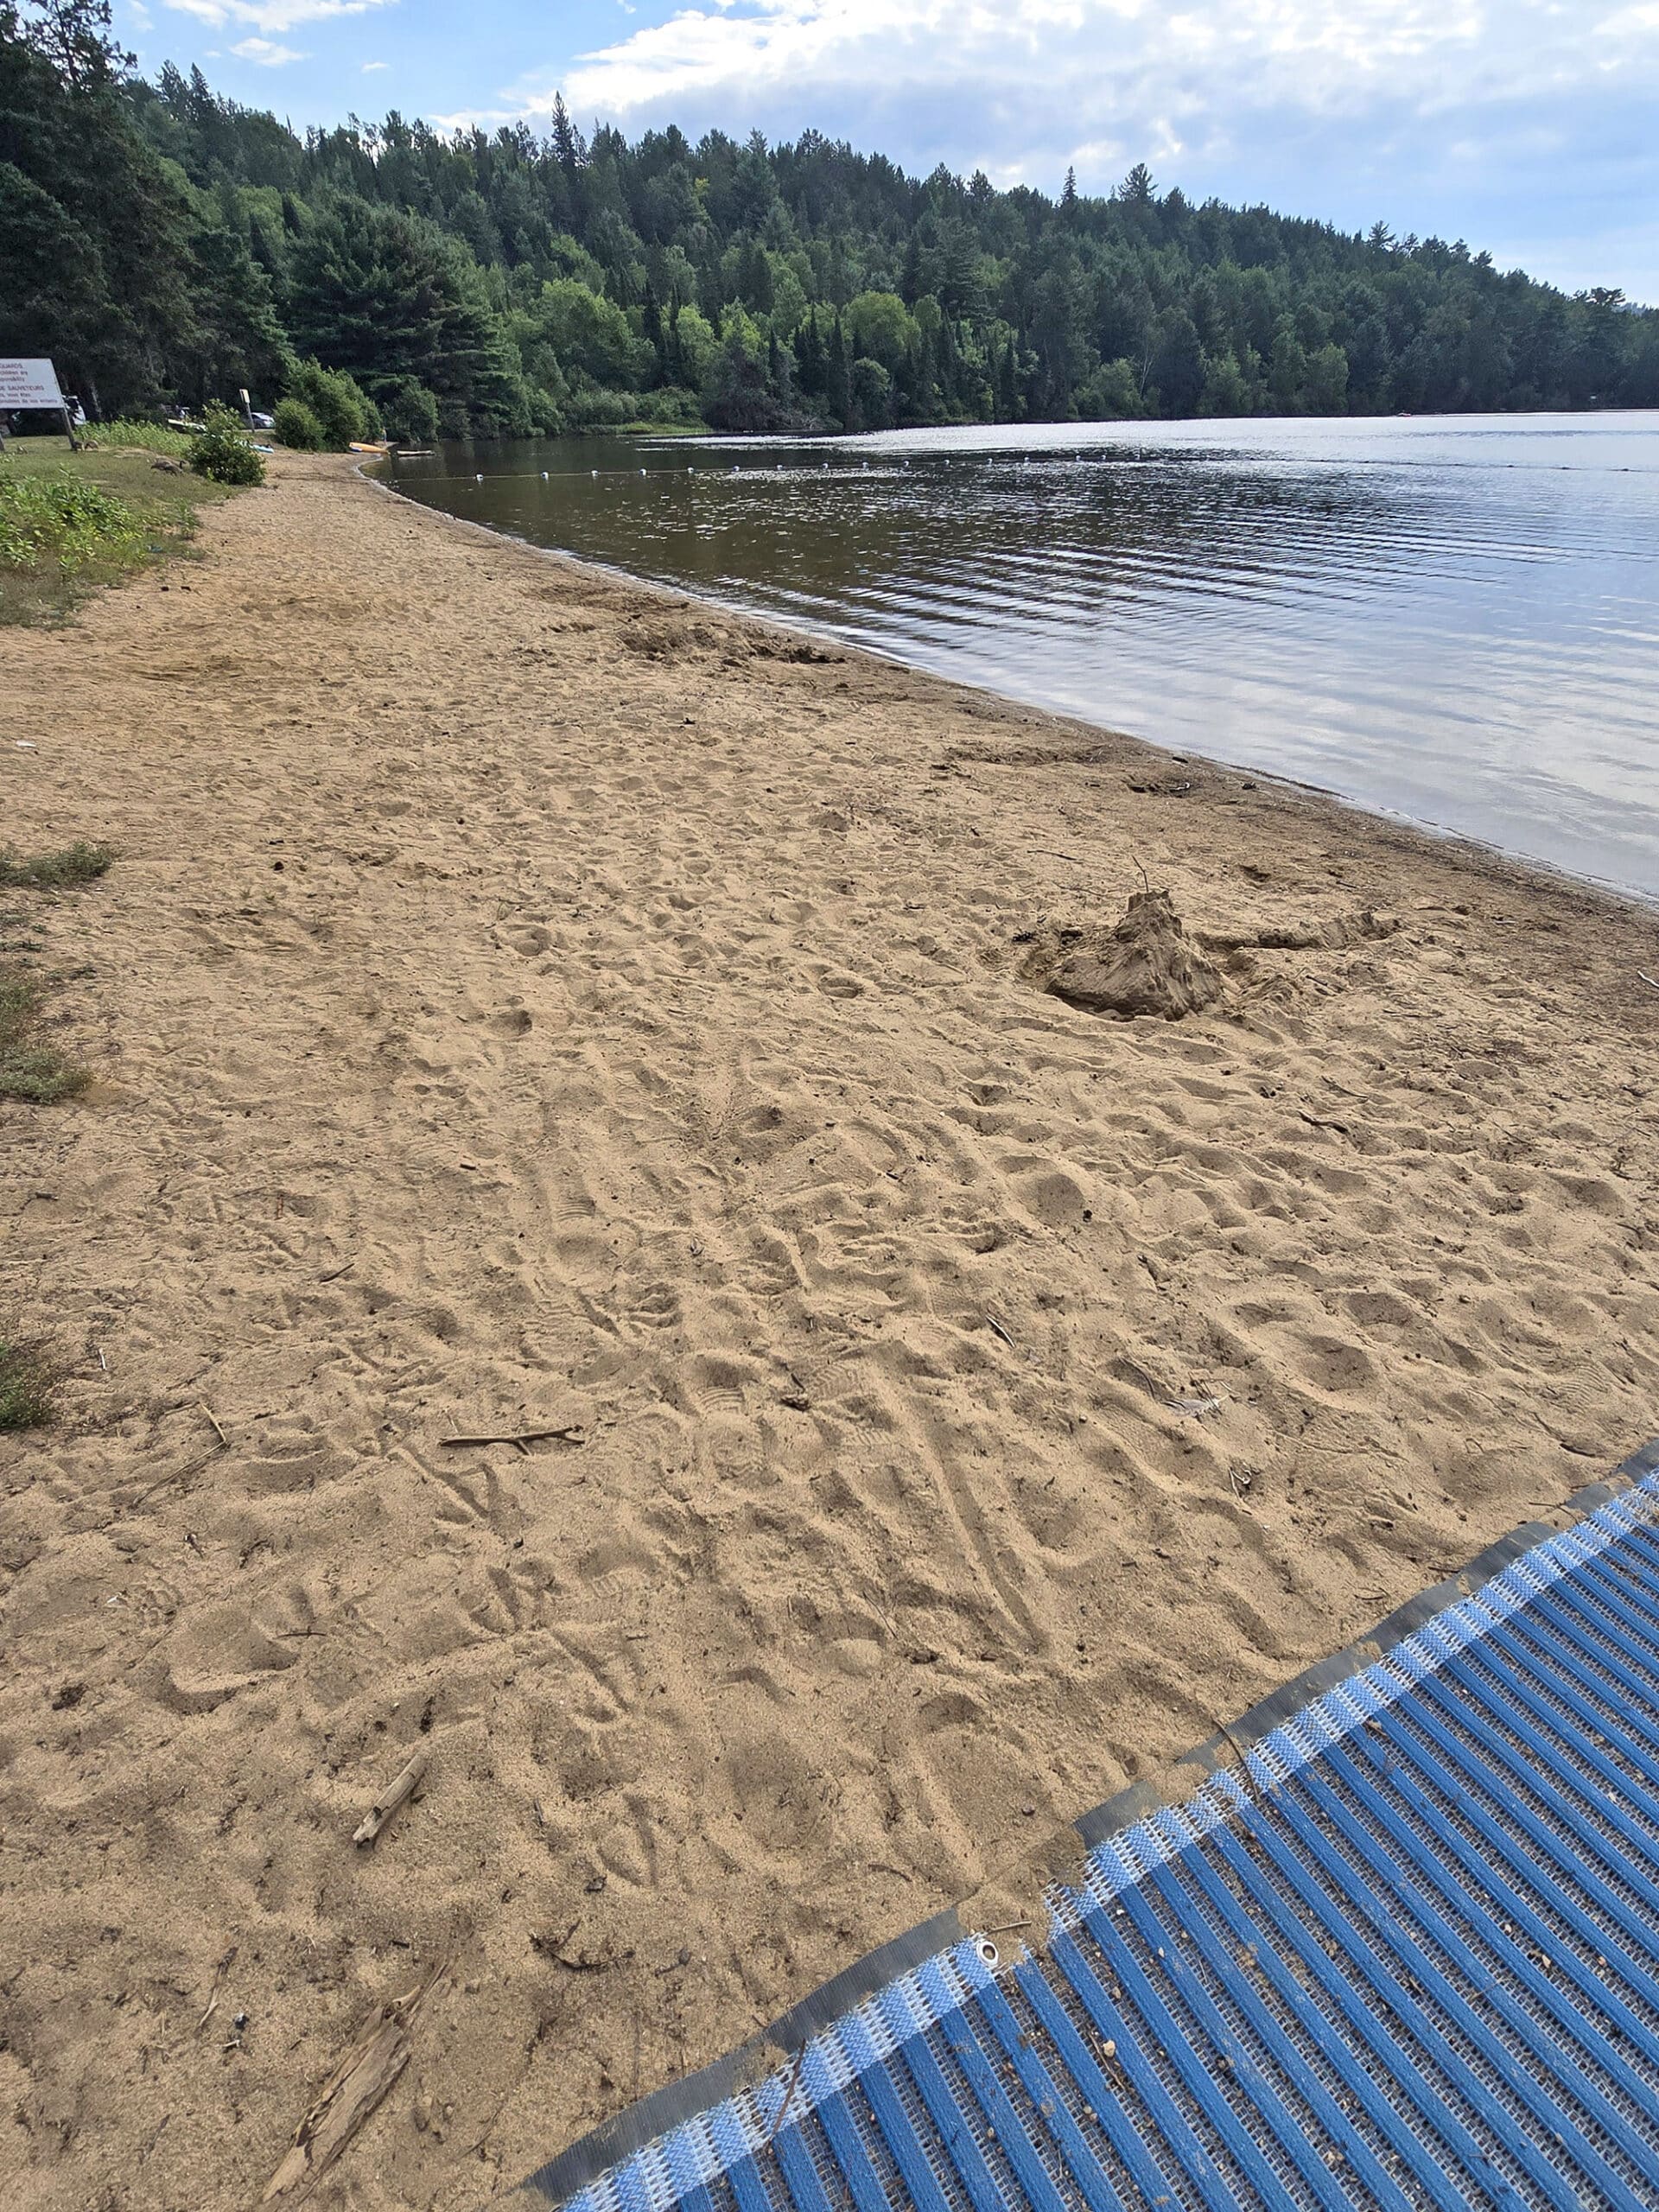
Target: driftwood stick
x=348, y=2096
x=573, y=1434
x=384, y=1807
x=213, y=1418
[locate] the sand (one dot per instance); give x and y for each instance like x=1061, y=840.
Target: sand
x=528, y=1002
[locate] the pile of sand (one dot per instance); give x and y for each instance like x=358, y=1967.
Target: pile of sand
x=1147, y=965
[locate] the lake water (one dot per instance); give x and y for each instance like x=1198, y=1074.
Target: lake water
x=1454, y=619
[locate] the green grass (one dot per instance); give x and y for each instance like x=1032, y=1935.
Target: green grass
x=147, y=437
x=26, y=1382
x=70, y=523
x=77, y=863
x=33, y=1072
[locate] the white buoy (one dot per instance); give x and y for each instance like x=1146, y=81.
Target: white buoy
x=479, y=479
x=595, y=472
x=543, y=476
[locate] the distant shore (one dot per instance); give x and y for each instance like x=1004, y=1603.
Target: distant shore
x=530, y=1005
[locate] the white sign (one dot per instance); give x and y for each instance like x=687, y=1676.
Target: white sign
x=29, y=384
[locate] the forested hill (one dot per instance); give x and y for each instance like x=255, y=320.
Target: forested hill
x=163, y=243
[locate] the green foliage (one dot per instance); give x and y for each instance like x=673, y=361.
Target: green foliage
x=148, y=437
x=77, y=863
x=881, y=327
x=1113, y=394
x=590, y=336
x=223, y=451
x=70, y=543
x=297, y=428
x=409, y=412
x=343, y=410
x=163, y=242
x=64, y=522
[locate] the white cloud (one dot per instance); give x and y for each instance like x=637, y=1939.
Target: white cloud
x=370, y=67
x=1528, y=121
x=1310, y=55
x=268, y=55
x=272, y=17
x=479, y=118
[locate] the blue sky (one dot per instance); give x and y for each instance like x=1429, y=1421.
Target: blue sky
x=1526, y=126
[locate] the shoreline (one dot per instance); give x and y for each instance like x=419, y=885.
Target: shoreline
x=1526, y=866
x=533, y=1000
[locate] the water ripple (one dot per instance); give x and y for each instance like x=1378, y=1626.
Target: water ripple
x=1450, y=619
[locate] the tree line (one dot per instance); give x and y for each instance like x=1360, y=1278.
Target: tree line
x=167, y=246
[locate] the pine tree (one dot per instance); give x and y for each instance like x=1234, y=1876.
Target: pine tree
x=569, y=150
x=809, y=349
x=838, y=390
x=1008, y=385
x=652, y=328
x=950, y=368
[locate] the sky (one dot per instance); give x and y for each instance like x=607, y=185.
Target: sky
x=1527, y=127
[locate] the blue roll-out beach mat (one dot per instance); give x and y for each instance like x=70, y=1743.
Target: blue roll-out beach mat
x=1399, y=1946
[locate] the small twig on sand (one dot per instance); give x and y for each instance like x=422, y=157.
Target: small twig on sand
x=218, y=1431
x=573, y=1435
x=382, y=1808
x=992, y=1323
x=219, y=1972
x=1642, y=977
x=1007, y=1929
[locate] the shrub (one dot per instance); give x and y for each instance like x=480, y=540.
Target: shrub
x=223, y=452
x=409, y=411
x=77, y=863
x=592, y=409
x=338, y=402
x=297, y=428
x=65, y=520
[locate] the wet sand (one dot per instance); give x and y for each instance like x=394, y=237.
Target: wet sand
x=529, y=1003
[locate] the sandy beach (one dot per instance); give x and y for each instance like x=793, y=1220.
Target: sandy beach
x=531, y=1006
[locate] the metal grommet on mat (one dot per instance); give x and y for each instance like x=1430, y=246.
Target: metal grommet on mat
x=988, y=1953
